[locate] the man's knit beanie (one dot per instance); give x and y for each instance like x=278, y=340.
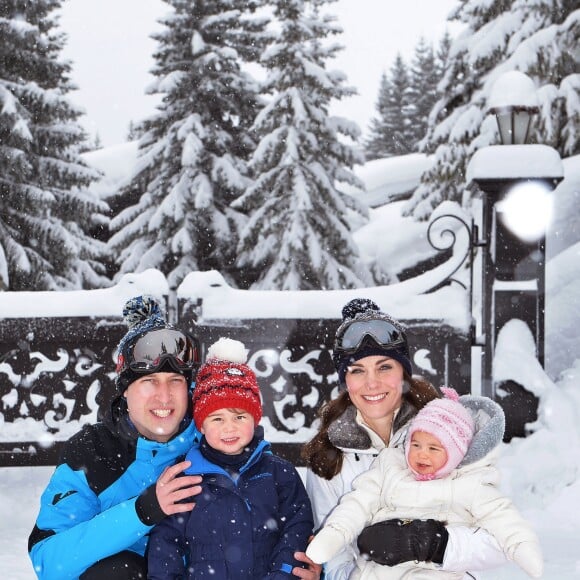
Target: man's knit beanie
x=141, y=314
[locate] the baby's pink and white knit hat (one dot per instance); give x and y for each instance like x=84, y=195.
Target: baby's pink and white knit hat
x=449, y=422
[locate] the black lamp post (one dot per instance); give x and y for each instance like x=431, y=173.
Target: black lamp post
x=510, y=266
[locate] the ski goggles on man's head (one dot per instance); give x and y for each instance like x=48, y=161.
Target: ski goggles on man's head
x=351, y=334
x=152, y=350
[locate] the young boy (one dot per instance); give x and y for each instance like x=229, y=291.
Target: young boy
x=445, y=473
x=253, y=512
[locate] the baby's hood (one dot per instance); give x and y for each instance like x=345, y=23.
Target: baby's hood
x=489, y=427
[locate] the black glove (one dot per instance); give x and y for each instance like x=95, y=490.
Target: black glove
x=395, y=541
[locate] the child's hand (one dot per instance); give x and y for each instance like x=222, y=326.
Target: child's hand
x=327, y=543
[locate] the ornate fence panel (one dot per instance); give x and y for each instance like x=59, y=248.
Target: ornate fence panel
x=55, y=374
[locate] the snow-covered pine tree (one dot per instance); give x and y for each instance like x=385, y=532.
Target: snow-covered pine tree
x=45, y=209
x=393, y=126
x=298, y=234
x=193, y=150
x=378, y=143
x=424, y=76
x=552, y=57
x=442, y=54
x=539, y=38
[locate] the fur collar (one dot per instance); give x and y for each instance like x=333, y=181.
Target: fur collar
x=489, y=427
x=346, y=433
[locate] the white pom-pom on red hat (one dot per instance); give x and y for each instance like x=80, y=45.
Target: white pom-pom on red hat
x=227, y=349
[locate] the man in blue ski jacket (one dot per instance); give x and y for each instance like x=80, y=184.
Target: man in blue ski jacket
x=119, y=478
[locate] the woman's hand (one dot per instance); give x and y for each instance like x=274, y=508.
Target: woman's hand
x=171, y=489
x=312, y=572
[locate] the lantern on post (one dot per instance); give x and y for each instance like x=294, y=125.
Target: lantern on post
x=513, y=101
x=514, y=180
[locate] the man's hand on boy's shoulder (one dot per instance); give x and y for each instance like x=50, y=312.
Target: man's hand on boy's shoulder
x=172, y=488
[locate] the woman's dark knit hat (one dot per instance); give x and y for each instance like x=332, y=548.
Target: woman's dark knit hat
x=364, y=309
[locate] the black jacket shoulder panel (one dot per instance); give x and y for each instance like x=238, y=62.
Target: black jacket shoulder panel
x=101, y=454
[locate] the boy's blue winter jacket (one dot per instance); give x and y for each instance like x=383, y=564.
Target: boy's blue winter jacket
x=91, y=507
x=243, y=529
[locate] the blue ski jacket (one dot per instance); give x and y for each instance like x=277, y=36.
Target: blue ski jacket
x=241, y=528
x=101, y=497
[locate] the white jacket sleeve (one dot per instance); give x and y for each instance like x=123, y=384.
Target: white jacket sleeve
x=499, y=516
x=471, y=549
x=324, y=496
x=354, y=510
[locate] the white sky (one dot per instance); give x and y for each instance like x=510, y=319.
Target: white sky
x=109, y=45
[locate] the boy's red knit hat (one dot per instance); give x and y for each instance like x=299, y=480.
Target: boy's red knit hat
x=226, y=382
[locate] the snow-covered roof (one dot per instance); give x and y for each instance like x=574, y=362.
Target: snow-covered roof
x=389, y=179
x=515, y=161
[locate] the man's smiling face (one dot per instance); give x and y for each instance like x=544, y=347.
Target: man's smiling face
x=157, y=404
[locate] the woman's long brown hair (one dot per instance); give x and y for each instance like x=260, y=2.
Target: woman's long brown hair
x=322, y=457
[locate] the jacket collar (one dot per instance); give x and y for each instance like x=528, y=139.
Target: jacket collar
x=347, y=433
x=200, y=465
x=177, y=446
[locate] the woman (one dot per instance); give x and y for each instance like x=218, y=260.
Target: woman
x=378, y=398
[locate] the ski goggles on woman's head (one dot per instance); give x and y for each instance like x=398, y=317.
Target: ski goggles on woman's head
x=152, y=350
x=351, y=335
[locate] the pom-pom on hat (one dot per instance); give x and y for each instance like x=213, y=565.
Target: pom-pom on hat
x=448, y=421
x=365, y=310
x=226, y=382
